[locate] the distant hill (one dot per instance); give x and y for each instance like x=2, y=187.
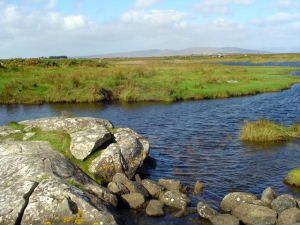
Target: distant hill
x=188, y=51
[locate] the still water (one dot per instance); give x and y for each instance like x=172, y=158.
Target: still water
x=198, y=140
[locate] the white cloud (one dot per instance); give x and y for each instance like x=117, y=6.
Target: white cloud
x=74, y=22
x=142, y=4
x=287, y=4
x=220, y=6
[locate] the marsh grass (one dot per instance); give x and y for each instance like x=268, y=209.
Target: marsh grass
x=38, y=81
x=264, y=131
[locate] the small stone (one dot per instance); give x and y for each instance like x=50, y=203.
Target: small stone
x=198, y=188
x=117, y=188
x=225, y=219
x=170, y=184
x=268, y=196
x=289, y=217
x=155, y=208
x=283, y=202
x=120, y=178
x=135, y=187
x=175, y=199
x=205, y=211
x=134, y=200
x=232, y=200
x=152, y=187
x=138, y=178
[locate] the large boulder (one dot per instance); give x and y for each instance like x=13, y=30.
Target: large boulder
x=175, y=199
x=251, y=214
x=283, y=202
x=232, y=200
x=289, y=217
x=225, y=219
x=124, y=156
x=35, y=181
x=87, y=134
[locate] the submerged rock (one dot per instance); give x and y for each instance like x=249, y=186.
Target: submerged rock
x=232, y=200
x=283, y=202
x=35, y=181
x=225, y=219
x=155, y=208
x=251, y=214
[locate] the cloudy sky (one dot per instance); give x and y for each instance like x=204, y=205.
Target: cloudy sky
x=31, y=28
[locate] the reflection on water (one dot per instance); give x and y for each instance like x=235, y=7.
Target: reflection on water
x=198, y=140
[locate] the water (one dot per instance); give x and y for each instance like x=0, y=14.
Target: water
x=290, y=64
x=198, y=140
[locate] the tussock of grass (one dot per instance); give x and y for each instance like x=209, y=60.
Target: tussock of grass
x=293, y=178
x=267, y=131
x=166, y=79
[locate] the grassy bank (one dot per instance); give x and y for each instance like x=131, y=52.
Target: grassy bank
x=293, y=178
x=266, y=131
x=154, y=79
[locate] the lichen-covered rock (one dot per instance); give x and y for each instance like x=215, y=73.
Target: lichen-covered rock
x=289, y=217
x=170, y=184
x=35, y=181
x=205, y=211
x=124, y=156
x=268, y=196
x=86, y=141
x=175, y=199
x=152, y=187
x=283, y=202
x=232, y=200
x=225, y=219
x=134, y=200
x=155, y=208
x=251, y=214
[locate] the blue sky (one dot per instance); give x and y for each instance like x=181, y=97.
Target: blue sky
x=31, y=28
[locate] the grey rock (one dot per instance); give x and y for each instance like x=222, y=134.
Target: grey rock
x=152, y=187
x=198, y=188
x=134, y=200
x=175, y=199
x=251, y=214
x=86, y=141
x=155, y=208
x=170, y=184
x=36, y=181
x=6, y=131
x=289, y=217
x=28, y=135
x=124, y=156
x=259, y=202
x=117, y=188
x=268, y=196
x=120, y=178
x=225, y=219
x=283, y=202
x=232, y=200
x=205, y=211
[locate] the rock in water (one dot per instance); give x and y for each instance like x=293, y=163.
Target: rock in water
x=268, y=196
x=232, y=200
x=205, y=211
x=126, y=155
x=155, y=208
x=283, y=202
x=134, y=200
x=225, y=219
x=175, y=199
x=255, y=215
x=36, y=181
x=289, y=217
x=198, y=188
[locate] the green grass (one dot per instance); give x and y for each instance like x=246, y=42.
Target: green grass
x=35, y=81
x=16, y=126
x=264, y=131
x=293, y=178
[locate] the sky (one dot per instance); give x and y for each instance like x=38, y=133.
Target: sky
x=34, y=28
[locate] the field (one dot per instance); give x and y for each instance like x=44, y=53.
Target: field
x=37, y=81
